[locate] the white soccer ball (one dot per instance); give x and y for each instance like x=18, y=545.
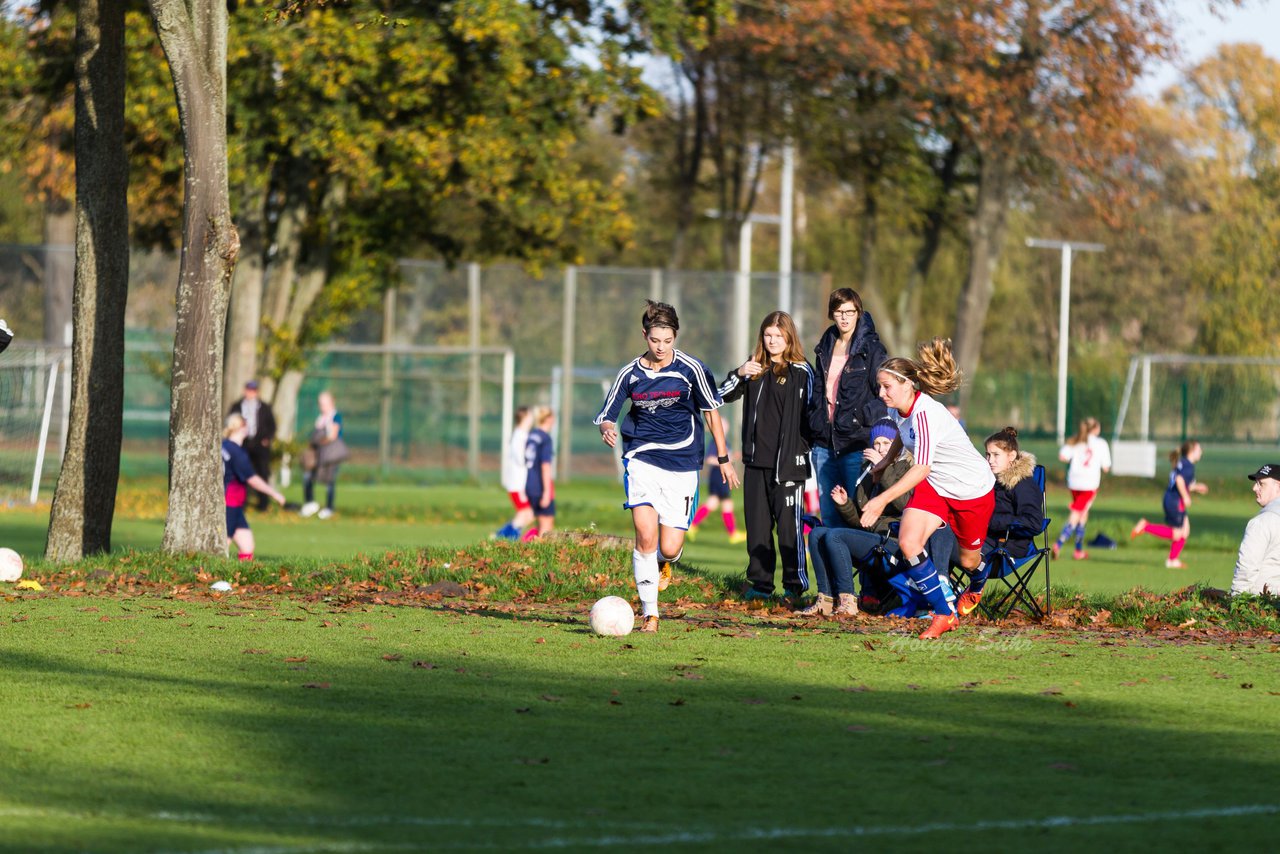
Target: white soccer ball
x=612, y=616
x=10, y=565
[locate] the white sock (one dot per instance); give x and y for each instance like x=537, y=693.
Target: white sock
x=646, y=569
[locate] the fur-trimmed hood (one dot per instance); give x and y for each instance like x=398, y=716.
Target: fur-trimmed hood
x=1022, y=467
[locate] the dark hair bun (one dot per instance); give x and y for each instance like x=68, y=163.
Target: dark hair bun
x=1012, y=431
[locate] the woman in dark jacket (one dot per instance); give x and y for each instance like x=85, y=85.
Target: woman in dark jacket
x=845, y=362
x=1019, y=512
x=776, y=386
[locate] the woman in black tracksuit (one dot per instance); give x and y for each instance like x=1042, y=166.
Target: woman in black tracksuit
x=845, y=365
x=776, y=385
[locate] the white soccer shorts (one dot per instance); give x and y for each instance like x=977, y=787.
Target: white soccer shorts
x=674, y=494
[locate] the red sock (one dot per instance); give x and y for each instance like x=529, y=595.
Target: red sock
x=1164, y=532
x=245, y=555
x=702, y=513
x=1175, y=548
x=729, y=524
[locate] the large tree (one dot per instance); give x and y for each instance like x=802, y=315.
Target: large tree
x=84, y=501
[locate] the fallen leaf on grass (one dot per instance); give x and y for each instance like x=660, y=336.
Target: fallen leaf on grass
x=540, y=640
x=29, y=584
x=857, y=728
x=424, y=665
x=540, y=761
x=523, y=710
x=320, y=685
x=858, y=689
x=550, y=698
x=678, y=701
x=1051, y=691
x=1246, y=684
x=1069, y=704
x=689, y=674
x=294, y=659
x=392, y=656
x=81, y=706
x=868, y=646
x=255, y=652
x=1100, y=617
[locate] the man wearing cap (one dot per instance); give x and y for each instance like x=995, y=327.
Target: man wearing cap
x=1258, y=564
x=261, y=424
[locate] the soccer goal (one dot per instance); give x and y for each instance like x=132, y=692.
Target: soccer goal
x=1227, y=399
x=29, y=381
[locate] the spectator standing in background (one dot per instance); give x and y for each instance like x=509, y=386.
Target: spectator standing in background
x=260, y=422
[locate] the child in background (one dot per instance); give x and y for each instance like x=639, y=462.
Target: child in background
x=719, y=498
x=1177, y=500
x=1019, y=501
x=539, y=453
x=238, y=477
x=1089, y=456
x=514, y=475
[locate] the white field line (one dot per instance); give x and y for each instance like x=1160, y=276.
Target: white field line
x=648, y=836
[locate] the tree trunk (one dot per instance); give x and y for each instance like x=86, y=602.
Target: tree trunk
x=986, y=237
x=60, y=229
x=245, y=319
x=194, y=38
x=85, y=498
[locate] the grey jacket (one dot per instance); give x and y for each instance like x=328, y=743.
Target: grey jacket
x=1258, y=564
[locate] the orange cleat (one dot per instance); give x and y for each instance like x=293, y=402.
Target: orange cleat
x=941, y=624
x=967, y=602
x=664, y=575
x=650, y=625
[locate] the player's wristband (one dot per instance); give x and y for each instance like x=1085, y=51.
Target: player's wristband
x=723, y=459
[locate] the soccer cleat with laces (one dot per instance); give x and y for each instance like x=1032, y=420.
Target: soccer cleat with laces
x=1174, y=564
x=650, y=624
x=1080, y=554
x=737, y=537
x=940, y=625
x=967, y=602
x=664, y=575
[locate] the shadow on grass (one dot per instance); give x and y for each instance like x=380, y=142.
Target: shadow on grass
x=670, y=738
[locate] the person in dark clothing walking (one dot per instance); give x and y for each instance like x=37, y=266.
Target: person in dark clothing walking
x=845, y=365
x=777, y=389
x=261, y=424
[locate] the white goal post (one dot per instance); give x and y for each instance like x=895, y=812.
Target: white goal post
x=1240, y=392
x=29, y=382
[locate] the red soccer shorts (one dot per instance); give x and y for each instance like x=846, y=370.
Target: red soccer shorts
x=968, y=518
x=1082, y=498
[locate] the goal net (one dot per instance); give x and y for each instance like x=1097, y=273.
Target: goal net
x=1169, y=399
x=30, y=420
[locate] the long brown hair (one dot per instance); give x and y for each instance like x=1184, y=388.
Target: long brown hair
x=793, y=352
x=1087, y=426
x=933, y=372
x=1182, y=450
x=659, y=314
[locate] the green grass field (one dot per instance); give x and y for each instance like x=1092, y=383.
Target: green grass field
x=170, y=720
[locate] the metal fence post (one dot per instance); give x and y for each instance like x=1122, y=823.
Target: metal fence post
x=564, y=457
x=384, y=414
x=473, y=395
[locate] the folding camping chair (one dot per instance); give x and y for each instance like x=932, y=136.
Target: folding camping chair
x=1011, y=575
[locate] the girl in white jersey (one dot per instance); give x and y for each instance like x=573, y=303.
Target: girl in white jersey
x=953, y=483
x=1089, y=456
x=514, y=475
x=670, y=394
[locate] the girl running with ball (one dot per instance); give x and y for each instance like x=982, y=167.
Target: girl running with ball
x=953, y=483
x=662, y=447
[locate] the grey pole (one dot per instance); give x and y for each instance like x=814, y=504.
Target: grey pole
x=384, y=410
x=473, y=393
x=1064, y=314
x=564, y=453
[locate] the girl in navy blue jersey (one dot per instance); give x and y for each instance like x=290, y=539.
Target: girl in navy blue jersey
x=237, y=477
x=1177, y=500
x=539, y=454
x=671, y=394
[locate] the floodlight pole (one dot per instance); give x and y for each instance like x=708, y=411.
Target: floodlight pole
x=741, y=340
x=1064, y=313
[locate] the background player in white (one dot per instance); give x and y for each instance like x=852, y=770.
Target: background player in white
x=514, y=475
x=671, y=393
x=1089, y=456
x=953, y=483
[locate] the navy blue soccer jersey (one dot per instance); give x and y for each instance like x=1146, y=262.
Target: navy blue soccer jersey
x=237, y=468
x=537, y=450
x=664, y=424
x=1187, y=469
